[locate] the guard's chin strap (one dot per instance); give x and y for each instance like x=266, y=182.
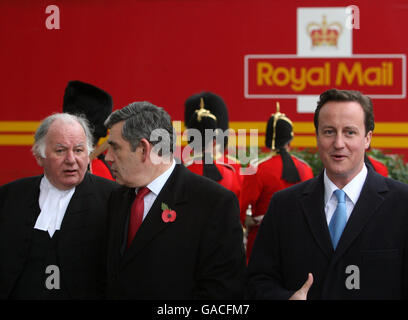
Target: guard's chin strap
x=210, y=170
x=289, y=170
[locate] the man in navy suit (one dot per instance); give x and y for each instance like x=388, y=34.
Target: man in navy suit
x=302, y=253
x=182, y=238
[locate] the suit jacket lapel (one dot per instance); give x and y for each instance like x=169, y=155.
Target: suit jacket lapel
x=173, y=193
x=124, y=207
x=32, y=199
x=31, y=202
x=368, y=202
x=119, y=215
x=312, y=201
x=78, y=207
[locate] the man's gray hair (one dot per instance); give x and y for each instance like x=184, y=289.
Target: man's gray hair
x=145, y=120
x=39, y=146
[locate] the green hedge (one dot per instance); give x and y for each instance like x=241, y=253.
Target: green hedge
x=397, y=169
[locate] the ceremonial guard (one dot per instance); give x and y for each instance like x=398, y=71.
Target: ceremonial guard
x=203, y=162
x=275, y=171
x=216, y=105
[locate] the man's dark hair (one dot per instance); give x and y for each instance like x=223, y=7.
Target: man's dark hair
x=144, y=120
x=347, y=95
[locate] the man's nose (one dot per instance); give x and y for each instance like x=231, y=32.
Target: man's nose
x=108, y=155
x=339, y=141
x=70, y=157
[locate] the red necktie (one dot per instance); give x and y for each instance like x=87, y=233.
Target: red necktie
x=136, y=214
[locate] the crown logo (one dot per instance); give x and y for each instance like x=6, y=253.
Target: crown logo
x=324, y=34
x=204, y=112
x=278, y=116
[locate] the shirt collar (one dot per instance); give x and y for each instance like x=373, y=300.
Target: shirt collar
x=352, y=189
x=46, y=185
x=53, y=204
x=157, y=184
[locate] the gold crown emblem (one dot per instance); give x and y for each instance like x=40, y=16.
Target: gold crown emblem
x=278, y=116
x=324, y=34
x=204, y=112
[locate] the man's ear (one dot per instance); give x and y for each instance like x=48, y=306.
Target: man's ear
x=40, y=160
x=145, y=148
x=368, y=139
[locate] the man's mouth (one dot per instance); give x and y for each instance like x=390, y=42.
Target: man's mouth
x=70, y=172
x=338, y=157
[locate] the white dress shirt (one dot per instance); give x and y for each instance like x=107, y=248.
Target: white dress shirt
x=155, y=187
x=53, y=204
x=352, y=191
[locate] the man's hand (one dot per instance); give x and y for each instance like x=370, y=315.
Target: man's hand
x=301, y=294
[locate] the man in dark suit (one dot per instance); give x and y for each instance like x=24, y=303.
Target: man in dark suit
x=52, y=227
x=343, y=234
x=183, y=239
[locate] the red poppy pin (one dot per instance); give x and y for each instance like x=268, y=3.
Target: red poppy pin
x=168, y=215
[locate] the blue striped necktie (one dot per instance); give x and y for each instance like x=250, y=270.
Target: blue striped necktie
x=339, y=218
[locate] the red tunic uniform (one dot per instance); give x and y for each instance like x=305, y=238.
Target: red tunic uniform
x=257, y=189
x=99, y=168
x=229, y=175
x=379, y=167
x=225, y=158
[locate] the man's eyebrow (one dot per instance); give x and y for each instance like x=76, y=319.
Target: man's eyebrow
x=81, y=144
x=351, y=127
x=64, y=146
x=346, y=127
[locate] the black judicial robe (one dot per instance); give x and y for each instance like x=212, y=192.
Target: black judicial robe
x=80, y=249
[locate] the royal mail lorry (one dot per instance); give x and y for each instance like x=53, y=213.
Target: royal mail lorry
x=253, y=53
